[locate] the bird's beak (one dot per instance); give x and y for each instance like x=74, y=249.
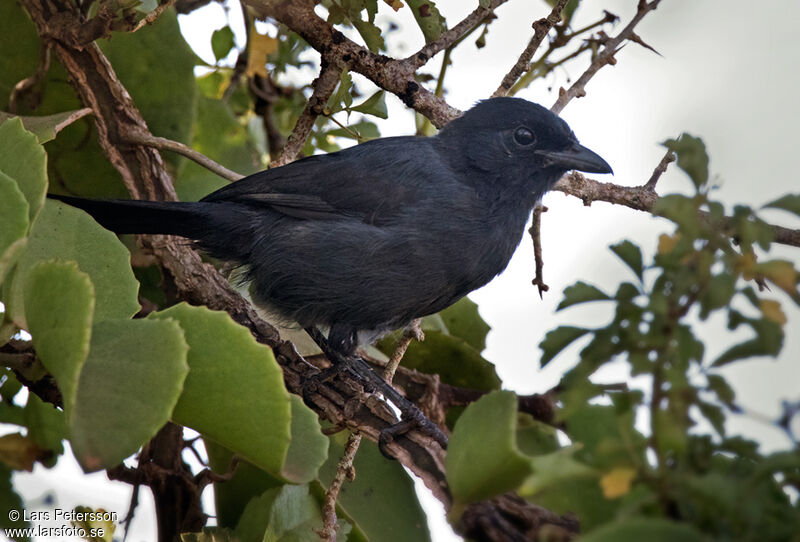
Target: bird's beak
x=576, y=157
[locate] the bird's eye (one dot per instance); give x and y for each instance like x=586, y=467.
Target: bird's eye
x=524, y=137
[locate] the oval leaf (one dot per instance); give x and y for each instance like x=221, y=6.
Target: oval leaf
x=13, y=213
x=65, y=233
x=557, y=340
x=23, y=159
x=59, y=307
x=631, y=254
x=650, y=529
x=127, y=389
x=234, y=393
x=482, y=457
x=580, y=292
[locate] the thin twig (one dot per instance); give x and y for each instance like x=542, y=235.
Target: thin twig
x=344, y=469
x=604, y=57
x=165, y=144
x=29, y=82
x=540, y=31
x=413, y=331
x=153, y=15
x=535, y=233
x=450, y=37
x=669, y=157
x=542, y=67
x=324, y=85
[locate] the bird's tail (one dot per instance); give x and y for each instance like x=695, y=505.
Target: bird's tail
x=136, y=216
x=213, y=225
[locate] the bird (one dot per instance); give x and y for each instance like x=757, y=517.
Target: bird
x=364, y=240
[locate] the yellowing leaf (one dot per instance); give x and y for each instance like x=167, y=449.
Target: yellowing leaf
x=97, y=521
x=19, y=452
x=667, y=242
x=394, y=4
x=771, y=310
x=781, y=273
x=745, y=265
x=617, y=482
x=261, y=46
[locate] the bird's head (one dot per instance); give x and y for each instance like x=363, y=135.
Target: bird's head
x=519, y=143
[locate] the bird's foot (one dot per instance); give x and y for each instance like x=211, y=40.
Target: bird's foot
x=411, y=418
x=342, y=368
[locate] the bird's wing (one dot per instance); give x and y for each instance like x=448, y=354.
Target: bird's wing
x=371, y=182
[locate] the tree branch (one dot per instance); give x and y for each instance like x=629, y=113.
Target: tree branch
x=540, y=30
x=323, y=85
x=604, y=57
x=162, y=143
x=642, y=198
x=451, y=36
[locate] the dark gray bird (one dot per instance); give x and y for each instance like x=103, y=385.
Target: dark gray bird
x=371, y=237
x=364, y=240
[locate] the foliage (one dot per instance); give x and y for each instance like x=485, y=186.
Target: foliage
x=122, y=372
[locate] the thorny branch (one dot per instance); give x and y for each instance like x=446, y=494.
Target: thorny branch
x=540, y=30
x=606, y=56
x=669, y=157
x=323, y=85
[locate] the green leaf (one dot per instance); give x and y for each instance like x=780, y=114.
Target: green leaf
x=232, y=496
x=568, y=10
x=224, y=356
x=721, y=388
x=535, y=437
x=218, y=135
x=789, y=202
x=607, y=436
x=371, y=35
x=380, y=484
x=341, y=97
x=284, y=514
x=428, y=18
x=692, y=157
x=13, y=213
x=18, y=35
x=308, y=447
x=23, y=159
x=767, y=342
x=210, y=534
x=714, y=414
x=580, y=292
x=374, y=105
x=222, y=42
x=7, y=261
x=553, y=469
x=721, y=289
x=463, y=320
x=680, y=209
x=631, y=254
x=127, y=389
x=649, y=529
x=9, y=499
x=65, y=233
x=482, y=458
x=47, y=426
x=59, y=308
x=156, y=66
x=46, y=127
x=557, y=340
